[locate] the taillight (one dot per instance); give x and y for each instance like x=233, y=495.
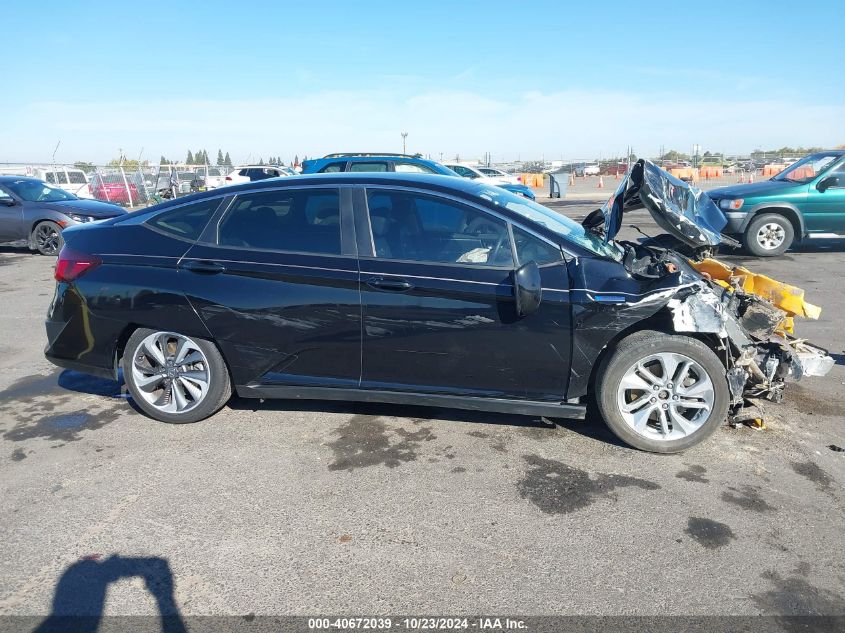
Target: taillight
x=72, y=265
x=228, y=179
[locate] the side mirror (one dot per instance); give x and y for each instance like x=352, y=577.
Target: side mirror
x=827, y=183
x=8, y=201
x=528, y=288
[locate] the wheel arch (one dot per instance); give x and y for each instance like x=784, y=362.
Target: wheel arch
x=788, y=211
x=660, y=321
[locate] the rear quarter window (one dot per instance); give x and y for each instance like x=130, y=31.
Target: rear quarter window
x=186, y=222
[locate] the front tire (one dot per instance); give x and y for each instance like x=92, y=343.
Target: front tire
x=662, y=393
x=47, y=238
x=768, y=235
x=175, y=378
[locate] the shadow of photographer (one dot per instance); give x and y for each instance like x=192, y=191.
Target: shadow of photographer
x=80, y=595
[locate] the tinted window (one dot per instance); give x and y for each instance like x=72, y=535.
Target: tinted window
x=368, y=167
x=413, y=168
x=77, y=177
x=463, y=171
x=425, y=228
x=306, y=221
x=54, y=177
x=332, y=168
x=531, y=248
x=188, y=221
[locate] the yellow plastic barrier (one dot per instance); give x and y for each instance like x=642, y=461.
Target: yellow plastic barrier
x=771, y=170
x=788, y=298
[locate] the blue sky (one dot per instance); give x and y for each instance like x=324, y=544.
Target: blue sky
x=517, y=79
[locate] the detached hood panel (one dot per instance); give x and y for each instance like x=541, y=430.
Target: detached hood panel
x=683, y=211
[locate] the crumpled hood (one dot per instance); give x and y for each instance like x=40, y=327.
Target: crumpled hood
x=94, y=208
x=683, y=211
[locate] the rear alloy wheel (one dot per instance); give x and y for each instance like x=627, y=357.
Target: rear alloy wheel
x=768, y=235
x=662, y=393
x=47, y=238
x=175, y=378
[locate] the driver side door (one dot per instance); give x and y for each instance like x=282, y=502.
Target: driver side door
x=11, y=217
x=824, y=211
x=438, y=307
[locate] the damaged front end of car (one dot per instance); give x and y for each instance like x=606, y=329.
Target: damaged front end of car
x=746, y=317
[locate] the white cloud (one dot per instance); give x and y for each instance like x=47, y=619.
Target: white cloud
x=571, y=123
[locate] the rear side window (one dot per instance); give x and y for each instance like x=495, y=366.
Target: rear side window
x=413, y=168
x=188, y=221
x=56, y=177
x=77, y=177
x=368, y=167
x=304, y=221
x=333, y=168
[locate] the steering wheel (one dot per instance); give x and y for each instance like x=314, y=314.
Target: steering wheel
x=482, y=225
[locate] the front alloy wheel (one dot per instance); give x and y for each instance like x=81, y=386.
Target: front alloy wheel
x=173, y=377
x=47, y=238
x=665, y=396
x=661, y=392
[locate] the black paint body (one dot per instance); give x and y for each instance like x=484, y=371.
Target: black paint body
x=353, y=321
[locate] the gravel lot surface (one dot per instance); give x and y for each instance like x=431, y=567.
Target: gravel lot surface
x=314, y=508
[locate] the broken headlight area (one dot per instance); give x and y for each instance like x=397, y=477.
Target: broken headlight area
x=753, y=317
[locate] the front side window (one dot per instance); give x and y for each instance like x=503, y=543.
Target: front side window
x=532, y=248
x=807, y=168
x=417, y=227
x=412, y=168
x=372, y=166
x=333, y=168
x=187, y=221
x=298, y=220
x=4, y=195
x=77, y=178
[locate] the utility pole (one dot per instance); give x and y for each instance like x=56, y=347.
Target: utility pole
x=404, y=137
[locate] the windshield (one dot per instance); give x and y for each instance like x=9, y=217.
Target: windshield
x=807, y=168
x=37, y=191
x=556, y=222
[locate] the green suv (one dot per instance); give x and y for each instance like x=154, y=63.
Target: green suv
x=805, y=201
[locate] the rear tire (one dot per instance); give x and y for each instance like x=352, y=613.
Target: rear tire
x=662, y=393
x=175, y=378
x=47, y=238
x=768, y=235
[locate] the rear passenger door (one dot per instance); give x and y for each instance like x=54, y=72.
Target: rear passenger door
x=437, y=301
x=275, y=279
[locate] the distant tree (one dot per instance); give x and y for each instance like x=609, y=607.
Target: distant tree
x=260, y=161
x=227, y=161
x=190, y=159
x=296, y=161
x=220, y=160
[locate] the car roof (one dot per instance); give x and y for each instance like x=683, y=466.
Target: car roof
x=12, y=178
x=456, y=185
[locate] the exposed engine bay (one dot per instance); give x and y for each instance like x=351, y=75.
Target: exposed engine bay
x=748, y=318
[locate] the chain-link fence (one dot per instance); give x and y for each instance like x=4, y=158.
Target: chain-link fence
x=126, y=185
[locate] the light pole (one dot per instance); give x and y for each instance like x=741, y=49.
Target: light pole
x=404, y=136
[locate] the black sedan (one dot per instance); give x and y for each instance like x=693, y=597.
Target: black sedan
x=32, y=210
x=395, y=288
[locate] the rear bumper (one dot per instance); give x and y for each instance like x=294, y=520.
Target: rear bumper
x=77, y=339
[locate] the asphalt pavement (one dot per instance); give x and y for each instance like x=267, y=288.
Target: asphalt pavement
x=332, y=508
